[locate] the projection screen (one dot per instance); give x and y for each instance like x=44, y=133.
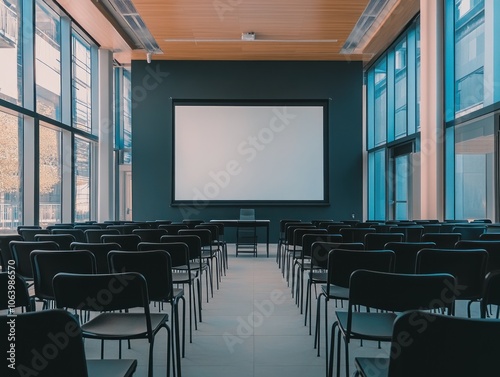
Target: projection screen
x=258, y=152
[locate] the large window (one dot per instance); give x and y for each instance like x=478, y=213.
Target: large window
x=10, y=51
x=50, y=186
x=48, y=61
x=81, y=88
x=400, y=94
x=380, y=103
x=11, y=160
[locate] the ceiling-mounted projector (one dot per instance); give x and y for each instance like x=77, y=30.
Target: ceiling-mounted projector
x=250, y=36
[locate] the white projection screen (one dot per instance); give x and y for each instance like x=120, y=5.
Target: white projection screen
x=257, y=152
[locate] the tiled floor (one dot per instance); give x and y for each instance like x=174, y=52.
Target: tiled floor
x=251, y=327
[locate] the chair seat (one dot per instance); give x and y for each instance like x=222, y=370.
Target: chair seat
x=336, y=292
x=122, y=325
x=178, y=292
x=318, y=277
x=182, y=277
x=111, y=368
x=371, y=326
x=372, y=366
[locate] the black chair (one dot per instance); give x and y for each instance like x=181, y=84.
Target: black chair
x=281, y=237
x=341, y=264
x=52, y=346
x=469, y=232
x=289, y=246
x=47, y=264
x=126, y=241
x=124, y=228
x=216, y=251
x=173, y=228
x=412, y=233
x=335, y=228
x=467, y=266
x=21, y=251
x=442, y=240
x=5, y=254
x=220, y=242
x=318, y=268
x=389, y=293
x=355, y=234
x=377, y=241
x=181, y=274
x=406, y=254
x=29, y=234
x=490, y=237
x=130, y=290
x=75, y=232
x=491, y=293
x=156, y=267
x=63, y=240
x=150, y=235
x=492, y=247
x=191, y=223
x=14, y=291
x=94, y=235
x=100, y=251
x=434, y=345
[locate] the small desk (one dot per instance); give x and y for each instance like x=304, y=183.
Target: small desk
x=246, y=224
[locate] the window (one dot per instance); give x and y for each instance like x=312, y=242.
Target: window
x=11, y=161
x=82, y=180
x=400, y=93
x=81, y=83
x=10, y=52
x=50, y=187
x=48, y=61
x=380, y=103
x=376, y=185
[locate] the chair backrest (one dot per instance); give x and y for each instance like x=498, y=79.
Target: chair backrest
x=309, y=239
x=321, y=249
x=412, y=233
x=355, y=234
x=5, y=254
x=173, y=229
x=342, y=263
x=298, y=235
x=13, y=288
x=29, y=234
x=335, y=228
x=192, y=241
x=290, y=231
x=94, y=235
x=204, y=234
x=21, y=251
x=492, y=247
x=247, y=214
x=490, y=237
x=124, y=228
x=77, y=233
x=406, y=254
x=179, y=251
x=467, y=266
x=191, y=223
x=21, y=227
x=434, y=345
x=491, y=291
x=442, y=240
x=101, y=292
x=53, y=345
x=154, y=265
x=63, y=240
x=126, y=241
x=213, y=228
x=401, y=292
x=150, y=235
x=469, y=232
x=100, y=251
x=47, y=264
x=377, y=241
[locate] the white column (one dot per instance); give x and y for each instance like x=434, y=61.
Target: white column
x=105, y=187
x=432, y=109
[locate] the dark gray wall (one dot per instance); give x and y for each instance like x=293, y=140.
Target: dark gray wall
x=155, y=85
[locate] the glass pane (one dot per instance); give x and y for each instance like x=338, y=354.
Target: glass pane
x=401, y=187
x=380, y=102
x=474, y=170
x=376, y=183
x=50, y=176
x=469, y=56
x=11, y=162
x=127, y=110
x=417, y=105
x=10, y=52
x=400, y=92
x=82, y=180
x=48, y=61
x=82, y=94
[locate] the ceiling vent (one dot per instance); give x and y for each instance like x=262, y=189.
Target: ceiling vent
x=123, y=13
x=373, y=14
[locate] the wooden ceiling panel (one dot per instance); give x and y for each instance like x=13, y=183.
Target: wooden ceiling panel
x=181, y=28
